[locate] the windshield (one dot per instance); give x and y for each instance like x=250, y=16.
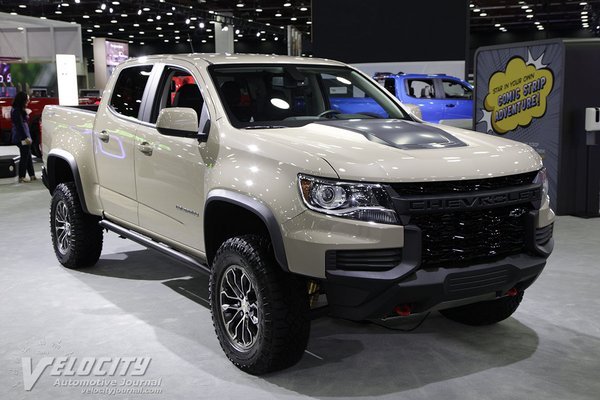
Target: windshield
x=271, y=96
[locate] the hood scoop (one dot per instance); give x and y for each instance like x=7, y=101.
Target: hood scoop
x=405, y=135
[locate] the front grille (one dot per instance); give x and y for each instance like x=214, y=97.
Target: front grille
x=363, y=260
x=464, y=186
x=543, y=235
x=455, y=238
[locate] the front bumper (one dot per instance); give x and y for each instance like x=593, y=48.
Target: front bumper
x=359, y=295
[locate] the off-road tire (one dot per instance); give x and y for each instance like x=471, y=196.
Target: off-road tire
x=484, y=312
x=281, y=300
x=83, y=244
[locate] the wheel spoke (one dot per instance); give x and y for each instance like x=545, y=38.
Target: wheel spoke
x=239, y=307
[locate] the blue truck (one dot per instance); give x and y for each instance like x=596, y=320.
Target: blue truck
x=441, y=98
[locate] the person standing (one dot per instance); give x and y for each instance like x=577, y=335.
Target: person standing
x=21, y=136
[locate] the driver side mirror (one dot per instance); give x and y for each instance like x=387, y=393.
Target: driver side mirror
x=181, y=122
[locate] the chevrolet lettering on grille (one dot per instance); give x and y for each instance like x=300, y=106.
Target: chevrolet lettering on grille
x=473, y=202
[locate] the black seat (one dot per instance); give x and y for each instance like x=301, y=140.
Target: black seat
x=189, y=96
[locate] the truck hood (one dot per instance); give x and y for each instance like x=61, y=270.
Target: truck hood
x=404, y=151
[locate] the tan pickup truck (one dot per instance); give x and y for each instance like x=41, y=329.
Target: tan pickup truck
x=302, y=187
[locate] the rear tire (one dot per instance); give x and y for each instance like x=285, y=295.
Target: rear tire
x=76, y=236
x=484, y=312
x=259, y=312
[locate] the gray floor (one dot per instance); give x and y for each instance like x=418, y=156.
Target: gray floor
x=137, y=303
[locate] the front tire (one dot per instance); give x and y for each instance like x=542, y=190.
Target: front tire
x=76, y=236
x=484, y=312
x=260, y=313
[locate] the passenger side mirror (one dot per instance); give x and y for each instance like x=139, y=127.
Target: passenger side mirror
x=181, y=122
x=414, y=110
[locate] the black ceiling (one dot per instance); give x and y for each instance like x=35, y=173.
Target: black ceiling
x=175, y=21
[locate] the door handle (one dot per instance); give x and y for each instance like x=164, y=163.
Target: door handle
x=104, y=136
x=450, y=105
x=145, y=148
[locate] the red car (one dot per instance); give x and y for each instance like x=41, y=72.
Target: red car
x=36, y=105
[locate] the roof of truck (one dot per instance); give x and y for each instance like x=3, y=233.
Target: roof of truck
x=225, y=58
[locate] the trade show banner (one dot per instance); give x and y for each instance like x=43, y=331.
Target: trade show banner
x=518, y=95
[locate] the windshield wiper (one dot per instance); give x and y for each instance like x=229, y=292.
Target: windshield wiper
x=265, y=127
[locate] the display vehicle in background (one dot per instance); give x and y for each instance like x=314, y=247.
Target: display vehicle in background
x=36, y=106
x=443, y=99
x=301, y=187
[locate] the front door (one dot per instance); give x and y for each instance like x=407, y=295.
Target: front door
x=170, y=170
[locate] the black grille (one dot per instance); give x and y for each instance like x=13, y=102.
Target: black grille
x=488, y=280
x=474, y=185
x=363, y=260
x=454, y=238
x=543, y=235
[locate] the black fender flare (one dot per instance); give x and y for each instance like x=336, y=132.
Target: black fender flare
x=58, y=154
x=259, y=209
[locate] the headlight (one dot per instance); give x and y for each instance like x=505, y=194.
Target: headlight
x=360, y=201
x=542, y=177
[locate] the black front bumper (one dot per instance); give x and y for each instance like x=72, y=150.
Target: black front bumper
x=360, y=295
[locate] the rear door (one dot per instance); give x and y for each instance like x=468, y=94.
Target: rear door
x=114, y=142
x=457, y=96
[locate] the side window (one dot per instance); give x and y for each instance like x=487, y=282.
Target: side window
x=420, y=88
x=456, y=90
x=178, y=88
x=129, y=90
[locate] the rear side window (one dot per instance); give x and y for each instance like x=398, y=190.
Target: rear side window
x=129, y=90
x=456, y=90
x=390, y=85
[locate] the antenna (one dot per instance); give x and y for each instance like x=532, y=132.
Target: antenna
x=191, y=43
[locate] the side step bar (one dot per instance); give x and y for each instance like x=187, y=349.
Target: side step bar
x=146, y=241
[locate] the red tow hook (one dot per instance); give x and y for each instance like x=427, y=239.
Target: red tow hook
x=512, y=292
x=403, y=310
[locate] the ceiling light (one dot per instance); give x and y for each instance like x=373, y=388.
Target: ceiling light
x=287, y=4
x=497, y=25
x=90, y=30
x=201, y=25
x=110, y=33
x=583, y=3
x=293, y=19
x=116, y=3
x=193, y=18
x=150, y=20
x=170, y=23
x=86, y=16
x=240, y=4
x=224, y=28
x=169, y=13
x=476, y=10
x=263, y=39
x=142, y=43
x=536, y=23
x=139, y=12
x=98, y=10
x=121, y=29
x=483, y=14
x=259, y=9
x=529, y=15
x=110, y=10
x=278, y=14
x=57, y=12
x=210, y=36
x=308, y=22
x=529, y=10
x=96, y=26
x=471, y=5
x=177, y=37
x=142, y=32
x=161, y=35
x=276, y=38
x=241, y=35
x=22, y=6
x=203, y=40
x=303, y=8
x=257, y=34
x=525, y=7
x=237, y=31
x=130, y=36
x=103, y=6
x=136, y=25
x=187, y=21
x=158, y=28
x=113, y=21
x=146, y=9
